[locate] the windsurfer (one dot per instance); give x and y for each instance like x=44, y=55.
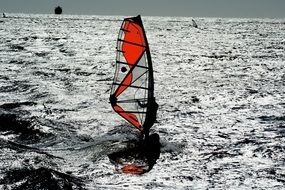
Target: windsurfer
x=147, y=151
x=151, y=149
x=194, y=24
x=132, y=97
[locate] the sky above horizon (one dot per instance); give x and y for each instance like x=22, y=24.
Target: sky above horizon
x=188, y=8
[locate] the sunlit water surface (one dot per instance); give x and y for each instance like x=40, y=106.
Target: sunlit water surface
x=220, y=88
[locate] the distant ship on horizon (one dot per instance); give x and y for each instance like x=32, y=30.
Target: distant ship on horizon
x=58, y=10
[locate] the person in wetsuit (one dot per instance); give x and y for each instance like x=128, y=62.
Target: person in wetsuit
x=151, y=149
x=147, y=151
x=151, y=144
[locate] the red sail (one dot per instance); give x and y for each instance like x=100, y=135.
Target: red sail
x=131, y=82
x=132, y=47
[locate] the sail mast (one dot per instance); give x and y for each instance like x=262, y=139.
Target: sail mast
x=150, y=68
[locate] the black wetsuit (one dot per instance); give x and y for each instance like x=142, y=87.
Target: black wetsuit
x=151, y=144
x=151, y=149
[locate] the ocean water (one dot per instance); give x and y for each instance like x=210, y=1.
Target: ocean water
x=220, y=88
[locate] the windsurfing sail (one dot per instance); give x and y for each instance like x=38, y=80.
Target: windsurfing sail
x=132, y=87
x=194, y=24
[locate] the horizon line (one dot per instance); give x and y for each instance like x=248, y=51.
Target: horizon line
x=86, y=14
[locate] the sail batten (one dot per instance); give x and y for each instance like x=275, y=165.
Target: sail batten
x=120, y=62
x=120, y=51
x=131, y=112
x=132, y=86
x=125, y=30
x=131, y=100
x=135, y=44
